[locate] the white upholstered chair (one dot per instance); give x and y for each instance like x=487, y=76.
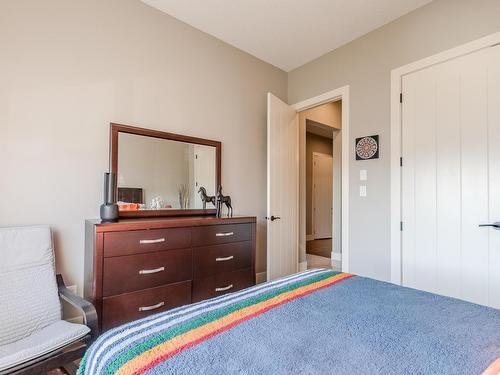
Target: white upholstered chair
x=33, y=337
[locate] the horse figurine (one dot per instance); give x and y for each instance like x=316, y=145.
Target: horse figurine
x=221, y=199
x=206, y=198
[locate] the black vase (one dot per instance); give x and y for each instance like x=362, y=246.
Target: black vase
x=109, y=209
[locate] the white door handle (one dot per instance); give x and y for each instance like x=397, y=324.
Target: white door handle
x=147, y=272
x=224, y=259
x=158, y=240
x=152, y=307
x=227, y=234
x=224, y=288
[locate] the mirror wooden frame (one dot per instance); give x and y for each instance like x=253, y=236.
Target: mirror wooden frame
x=115, y=129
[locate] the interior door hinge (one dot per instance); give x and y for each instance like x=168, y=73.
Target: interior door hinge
x=401, y=161
x=401, y=226
x=401, y=97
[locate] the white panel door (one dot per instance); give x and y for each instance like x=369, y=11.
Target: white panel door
x=451, y=178
x=282, y=188
x=322, y=186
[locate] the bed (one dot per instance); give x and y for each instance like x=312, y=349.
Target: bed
x=315, y=322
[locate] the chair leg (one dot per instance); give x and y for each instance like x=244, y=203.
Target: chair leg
x=70, y=368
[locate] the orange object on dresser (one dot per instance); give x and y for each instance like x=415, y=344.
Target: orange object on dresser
x=128, y=207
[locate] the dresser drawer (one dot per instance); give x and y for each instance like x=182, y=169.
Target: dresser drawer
x=215, y=234
x=221, y=284
x=131, y=306
x=141, y=271
x=215, y=259
x=145, y=241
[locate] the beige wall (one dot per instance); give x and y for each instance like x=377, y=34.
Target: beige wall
x=365, y=66
x=69, y=68
x=314, y=143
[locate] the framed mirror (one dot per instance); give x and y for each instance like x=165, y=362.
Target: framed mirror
x=163, y=174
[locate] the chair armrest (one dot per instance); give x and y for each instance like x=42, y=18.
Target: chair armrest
x=85, y=307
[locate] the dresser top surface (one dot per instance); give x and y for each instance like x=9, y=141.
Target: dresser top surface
x=166, y=222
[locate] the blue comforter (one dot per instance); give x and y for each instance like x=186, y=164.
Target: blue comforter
x=316, y=322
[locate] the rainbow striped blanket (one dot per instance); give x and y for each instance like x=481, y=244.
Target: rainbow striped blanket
x=314, y=322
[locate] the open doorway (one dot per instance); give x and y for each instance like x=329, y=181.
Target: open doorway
x=321, y=170
x=286, y=184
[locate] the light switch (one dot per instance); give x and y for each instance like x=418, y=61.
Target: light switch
x=362, y=190
x=363, y=174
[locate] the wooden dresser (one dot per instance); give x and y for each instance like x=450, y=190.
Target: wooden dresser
x=138, y=267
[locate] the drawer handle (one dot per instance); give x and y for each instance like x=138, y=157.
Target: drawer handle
x=227, y=234
x=152, y=307
x=224, y=288
x=158, y=240
x=224, y=259
x=147, y=272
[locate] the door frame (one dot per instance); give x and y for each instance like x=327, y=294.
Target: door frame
x=341, y=93
x=313, y=202
x=396, y=134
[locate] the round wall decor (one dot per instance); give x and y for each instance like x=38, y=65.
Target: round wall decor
x=367, y=147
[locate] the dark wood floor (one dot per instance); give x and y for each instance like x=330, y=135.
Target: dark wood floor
x=322, y=248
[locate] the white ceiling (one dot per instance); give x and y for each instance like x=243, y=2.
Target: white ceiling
x=286, y=33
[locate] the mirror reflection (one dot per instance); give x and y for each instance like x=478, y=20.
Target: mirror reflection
x=156, y=173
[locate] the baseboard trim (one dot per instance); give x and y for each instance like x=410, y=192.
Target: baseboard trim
x=309, y=237
x=261, y=277
x=337, y=260
x=302, y=266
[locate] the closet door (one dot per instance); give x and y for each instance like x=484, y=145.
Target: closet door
x=451, y=178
